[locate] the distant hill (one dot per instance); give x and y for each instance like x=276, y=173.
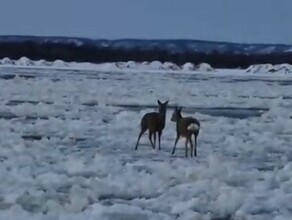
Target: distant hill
x=218, y=54
x=169, y=45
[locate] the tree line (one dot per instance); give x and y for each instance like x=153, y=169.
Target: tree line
x=88, y=53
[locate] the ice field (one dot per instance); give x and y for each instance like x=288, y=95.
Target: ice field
x=68, y=136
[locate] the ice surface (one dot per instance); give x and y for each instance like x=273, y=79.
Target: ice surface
x=80, y=163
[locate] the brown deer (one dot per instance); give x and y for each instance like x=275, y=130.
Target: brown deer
x=154, y=122
x=185, y=127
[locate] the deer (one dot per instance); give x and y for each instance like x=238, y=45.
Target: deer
x=185, y=127
x=155, y=123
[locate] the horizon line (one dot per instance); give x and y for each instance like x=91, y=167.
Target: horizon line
x=142, y=39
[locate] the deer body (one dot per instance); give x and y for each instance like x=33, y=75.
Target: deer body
x=186, y=127
x=155, y=123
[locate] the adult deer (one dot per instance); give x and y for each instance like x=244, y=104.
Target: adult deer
x=155, y=123
x=185, y=127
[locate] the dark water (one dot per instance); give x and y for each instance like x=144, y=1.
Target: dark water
x=229, y=112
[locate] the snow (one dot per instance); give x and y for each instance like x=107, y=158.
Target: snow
x=7, y=61
x=23, y=61
x=156, y=65
x=269, y=68
x=188, y=66
x=85, y=166
x=59, y=63
x=204, y=67
x=129, y=65
x=170, y=66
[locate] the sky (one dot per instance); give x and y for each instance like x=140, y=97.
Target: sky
x=243, y=21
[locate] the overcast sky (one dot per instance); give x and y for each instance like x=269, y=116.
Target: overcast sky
x=260, y=21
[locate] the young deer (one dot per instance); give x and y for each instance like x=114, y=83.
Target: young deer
x=185, y=127
x=154, y=122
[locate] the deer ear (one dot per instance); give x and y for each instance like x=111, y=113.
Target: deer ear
x=158, y=102
x=165, y=103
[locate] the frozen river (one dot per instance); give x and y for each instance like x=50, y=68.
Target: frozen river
x=67, y=146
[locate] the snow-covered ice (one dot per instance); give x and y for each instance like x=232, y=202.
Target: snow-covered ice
x=67, y=146
x=188, y=66
x=121, y=66
x=269, y=68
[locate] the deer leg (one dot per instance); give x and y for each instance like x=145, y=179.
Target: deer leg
x=140, y=135
x=159, y=137
x=186, y=147
x=154, y=139
x=150, y=138
x=175, y=143
x=192, y=146
x=196, y=135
